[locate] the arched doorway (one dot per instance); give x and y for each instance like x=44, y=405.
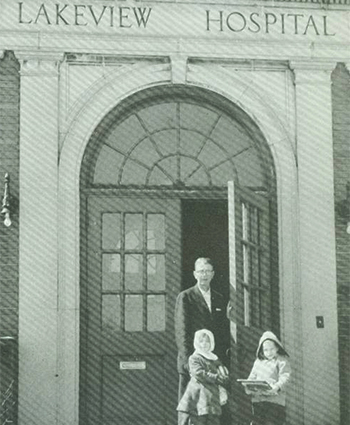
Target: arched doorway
x=155, y=170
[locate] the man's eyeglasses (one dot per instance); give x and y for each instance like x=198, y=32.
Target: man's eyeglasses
x=204, y=271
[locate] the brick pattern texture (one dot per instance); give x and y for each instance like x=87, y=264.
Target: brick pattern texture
x=9, y=236
x=9, y=163
x=341, y=155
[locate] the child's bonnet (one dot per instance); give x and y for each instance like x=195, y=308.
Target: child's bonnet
x=196, y=343
x=270, y=336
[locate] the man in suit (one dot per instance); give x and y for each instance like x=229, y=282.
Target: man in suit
x=200, y=307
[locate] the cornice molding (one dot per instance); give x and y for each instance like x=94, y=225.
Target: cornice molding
x=314, y=72
x=39, y=63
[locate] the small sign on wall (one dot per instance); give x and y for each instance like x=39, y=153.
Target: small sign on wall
x=133, y=365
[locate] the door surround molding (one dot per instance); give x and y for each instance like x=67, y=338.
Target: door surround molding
x=82, y=124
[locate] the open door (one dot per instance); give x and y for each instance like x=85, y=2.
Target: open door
x=250, y=286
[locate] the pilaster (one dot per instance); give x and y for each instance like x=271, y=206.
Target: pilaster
x=317, y=240
x=38, y=238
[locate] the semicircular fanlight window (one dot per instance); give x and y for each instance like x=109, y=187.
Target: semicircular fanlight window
x=178, y=144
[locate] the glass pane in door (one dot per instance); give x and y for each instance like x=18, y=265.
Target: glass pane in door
x=155, y=231
x=155, y=313
x=133, y=231
x=133, y=313
x=111, y=231
x=156, y=272
x=133, y=272
x=111, y=312
x=111, y=272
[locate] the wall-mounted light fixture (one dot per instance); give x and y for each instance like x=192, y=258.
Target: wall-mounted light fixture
x=343, y=208
x=5, y=207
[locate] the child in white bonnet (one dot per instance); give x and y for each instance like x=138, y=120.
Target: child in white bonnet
x=205, y=394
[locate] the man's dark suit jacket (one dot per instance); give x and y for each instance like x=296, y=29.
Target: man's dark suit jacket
x=192, y=314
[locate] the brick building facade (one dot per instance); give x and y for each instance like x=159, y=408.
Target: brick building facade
x=67, y=91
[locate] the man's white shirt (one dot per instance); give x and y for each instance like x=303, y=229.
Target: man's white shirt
x=207, y=297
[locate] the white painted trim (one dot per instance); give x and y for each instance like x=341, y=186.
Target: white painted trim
x=38, y=244
x=317, y=241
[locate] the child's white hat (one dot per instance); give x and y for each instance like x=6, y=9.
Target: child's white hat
x=198, y=336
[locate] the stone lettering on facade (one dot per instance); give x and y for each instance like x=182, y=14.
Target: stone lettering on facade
x=203, y=20
x=83, y=15
x=267, y=22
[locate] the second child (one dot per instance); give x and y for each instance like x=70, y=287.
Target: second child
x=271, y=365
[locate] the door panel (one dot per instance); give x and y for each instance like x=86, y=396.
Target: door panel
x=126, y=385
x=133, y=264
x=250, y=285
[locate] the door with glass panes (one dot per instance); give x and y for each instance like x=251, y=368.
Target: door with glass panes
x=133, y=274
x=132, y=279
x=251, y=286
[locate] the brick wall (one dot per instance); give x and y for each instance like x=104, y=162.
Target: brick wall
x=9, y=163
x=9, y=237
x=341, y=140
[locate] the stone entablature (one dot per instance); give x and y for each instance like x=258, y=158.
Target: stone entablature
x=273, y=30
x=264, y=20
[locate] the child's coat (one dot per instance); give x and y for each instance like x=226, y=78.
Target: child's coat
x=202, y=393
x=275, y=371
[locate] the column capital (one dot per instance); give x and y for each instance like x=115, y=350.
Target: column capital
x=39, y=63
x=313, y=72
